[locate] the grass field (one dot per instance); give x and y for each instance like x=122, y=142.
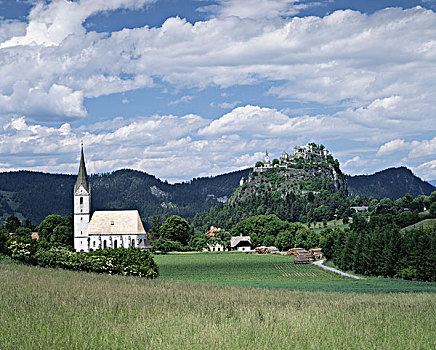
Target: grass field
x=272, y=271
x=423, y=223
x=58, y=309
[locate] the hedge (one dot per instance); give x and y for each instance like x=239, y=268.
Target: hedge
x=121, y=261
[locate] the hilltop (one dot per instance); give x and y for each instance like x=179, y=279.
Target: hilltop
x=393, y=183
x=310, y=169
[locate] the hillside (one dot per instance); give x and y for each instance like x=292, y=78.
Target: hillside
x=393, y=183
x=34, y=195
x=284, y=181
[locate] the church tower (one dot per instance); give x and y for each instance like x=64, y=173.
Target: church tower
x=82, y=208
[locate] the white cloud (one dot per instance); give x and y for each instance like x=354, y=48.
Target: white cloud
x=226, y=105
x=378, y=68
x=50, y=23
x=258, y=8
x=393, y=146
x=416, y=148
x=185, y=98
x=426, y=170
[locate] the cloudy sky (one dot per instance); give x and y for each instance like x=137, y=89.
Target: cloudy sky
x=189, y=88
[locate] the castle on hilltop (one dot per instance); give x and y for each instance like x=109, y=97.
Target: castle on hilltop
x=311, y=152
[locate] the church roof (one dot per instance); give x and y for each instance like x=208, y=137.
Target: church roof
x=82, y=177
x=116, y=222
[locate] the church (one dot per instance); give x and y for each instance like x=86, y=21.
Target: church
x=103, y=229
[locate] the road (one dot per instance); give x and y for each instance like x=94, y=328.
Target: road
x=320, y=264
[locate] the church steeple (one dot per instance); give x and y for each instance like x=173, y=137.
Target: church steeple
x=82, y=207
x=82, y=177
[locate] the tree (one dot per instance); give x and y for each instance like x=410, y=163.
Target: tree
x=57, y=229
x=23, y=231
x=176, y=229
x=156, y=223
x=259, y=164
x=285, y=240
x=12, y=223
x=432, y=209
x=275, y=161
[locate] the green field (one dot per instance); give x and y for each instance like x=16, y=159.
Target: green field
x=421, y=224
x=272, y=271
x=44, y=308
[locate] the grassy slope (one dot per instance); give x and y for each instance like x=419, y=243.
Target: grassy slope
x=56, y=309
x=250, y=270
x=423, y=223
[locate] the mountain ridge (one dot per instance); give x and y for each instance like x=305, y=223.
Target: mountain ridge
x=34, y=195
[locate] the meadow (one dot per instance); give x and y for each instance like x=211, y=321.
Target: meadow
x=272, y=271
x=43, y=308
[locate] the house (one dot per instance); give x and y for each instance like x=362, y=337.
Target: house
x=212, y=231
x=240, y=243
x=360, y=209
x=103, y=229
x=214, y=247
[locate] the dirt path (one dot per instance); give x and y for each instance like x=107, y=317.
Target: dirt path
x=320, y=264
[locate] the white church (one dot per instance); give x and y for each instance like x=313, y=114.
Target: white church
x=103, y=229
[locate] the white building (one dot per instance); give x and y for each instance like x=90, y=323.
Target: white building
x=240, y=243
x=103, y=229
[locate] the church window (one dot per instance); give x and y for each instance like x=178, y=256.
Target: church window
x=133, y=242
x=112, y=222
x=81, y=200
x=94, y=243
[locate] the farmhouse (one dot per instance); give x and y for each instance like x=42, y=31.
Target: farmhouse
x=240, y=243
x=359, y=209
x=103, y=229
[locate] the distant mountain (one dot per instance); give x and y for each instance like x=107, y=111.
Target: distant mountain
x=34, y=195
x=393, y=183
x=432, y=182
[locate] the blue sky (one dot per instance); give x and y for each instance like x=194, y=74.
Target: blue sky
x=182, y=89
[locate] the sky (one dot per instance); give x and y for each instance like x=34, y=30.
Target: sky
x=189, y=88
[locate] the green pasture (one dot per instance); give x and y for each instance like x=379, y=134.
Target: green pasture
x=421, y=224
x=272, y=271
x=43, y=308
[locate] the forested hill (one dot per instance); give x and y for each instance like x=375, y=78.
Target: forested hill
x=393, y=183
x=34, y=195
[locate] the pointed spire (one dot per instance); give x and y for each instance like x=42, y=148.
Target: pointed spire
x=82, y=177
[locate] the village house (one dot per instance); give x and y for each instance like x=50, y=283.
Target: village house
x=360, y=209
x=103, y=229
x=240, y=243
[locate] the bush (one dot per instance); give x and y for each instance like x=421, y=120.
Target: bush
x=122, y=261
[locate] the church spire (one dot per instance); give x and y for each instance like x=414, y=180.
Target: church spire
x=82, y=177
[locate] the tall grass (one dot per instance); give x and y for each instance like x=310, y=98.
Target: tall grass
x=58, y=309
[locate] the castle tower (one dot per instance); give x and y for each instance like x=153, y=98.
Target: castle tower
x=82, y=207
x=266, y=161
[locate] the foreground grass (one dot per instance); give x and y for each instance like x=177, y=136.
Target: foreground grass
x=273, y=271
x=58, y=309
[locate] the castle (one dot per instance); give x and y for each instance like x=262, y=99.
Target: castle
x=310, y=152
x=103, y=229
